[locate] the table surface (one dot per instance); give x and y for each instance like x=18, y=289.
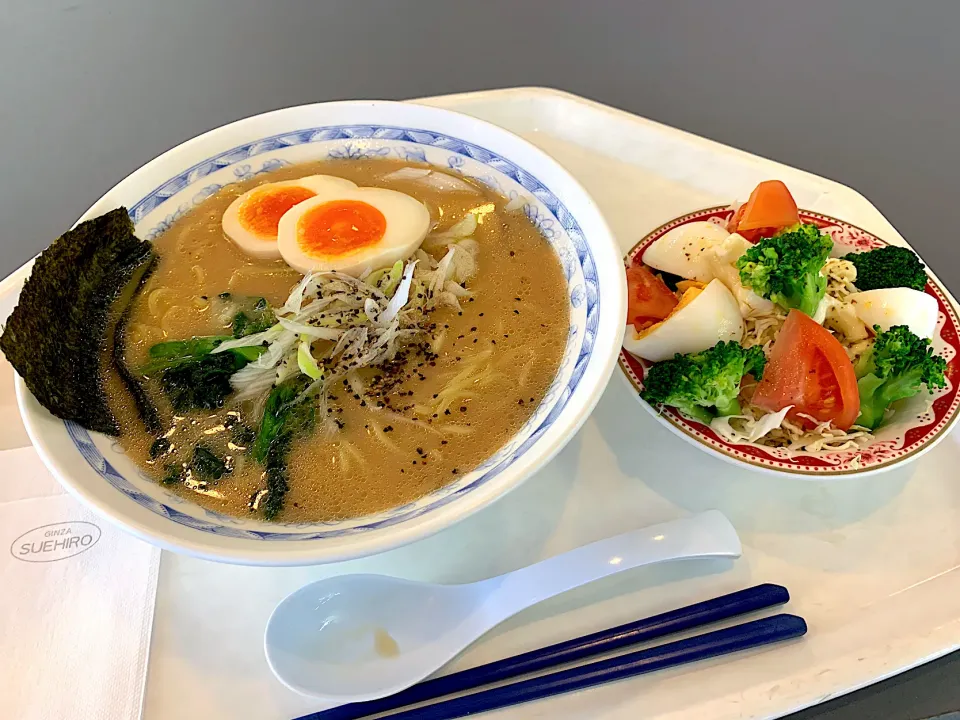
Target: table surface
x=854, y=91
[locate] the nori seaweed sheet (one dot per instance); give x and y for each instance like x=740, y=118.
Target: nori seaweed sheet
x=146, y=409
x=55, y=335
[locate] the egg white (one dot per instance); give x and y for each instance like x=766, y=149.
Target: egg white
x=407, y=223
x=265, y=246
x=712, y=316
x=681, y=251
x=722, y=259
x=887, y=307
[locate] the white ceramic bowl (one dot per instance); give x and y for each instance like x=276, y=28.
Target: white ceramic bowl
x=94, y=468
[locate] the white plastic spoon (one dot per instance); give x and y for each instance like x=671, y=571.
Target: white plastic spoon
x=350, y=638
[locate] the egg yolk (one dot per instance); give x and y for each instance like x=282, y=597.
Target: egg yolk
x=340, y=227
x=690, y=290
x=261, y=212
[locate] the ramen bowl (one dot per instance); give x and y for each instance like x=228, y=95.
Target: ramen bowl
x=94, y=467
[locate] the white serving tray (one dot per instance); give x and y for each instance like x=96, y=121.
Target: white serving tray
x=870, y=564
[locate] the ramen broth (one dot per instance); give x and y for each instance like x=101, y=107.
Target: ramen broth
x=494, y=360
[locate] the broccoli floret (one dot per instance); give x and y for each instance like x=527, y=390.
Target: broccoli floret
x=888, y=267
x=894, y=368
x=704, y=384
x=786, y=267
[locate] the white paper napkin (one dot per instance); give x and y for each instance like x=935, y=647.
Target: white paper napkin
x=76, y=603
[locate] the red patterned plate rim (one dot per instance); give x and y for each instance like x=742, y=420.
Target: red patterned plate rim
x=920, y=434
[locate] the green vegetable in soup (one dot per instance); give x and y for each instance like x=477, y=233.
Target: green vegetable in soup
x=207, y=466
x=254, y=316
x=286, y=416
x=386, y=280
x=204, y=466
x=173, y=353
x=192, y=376
x=202, y=383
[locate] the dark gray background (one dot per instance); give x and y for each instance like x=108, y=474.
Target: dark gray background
x=864, y=92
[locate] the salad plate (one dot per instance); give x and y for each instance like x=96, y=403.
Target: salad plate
x=919, y=423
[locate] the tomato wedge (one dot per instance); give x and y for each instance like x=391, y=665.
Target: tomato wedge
x=810, y=370
x=649, y=298
x=770, y=208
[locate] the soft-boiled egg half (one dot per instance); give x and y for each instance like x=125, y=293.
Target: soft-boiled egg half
x=252, y=219
x=704, y=316
x=887, y=307
x=681, y=251
x=352, y=230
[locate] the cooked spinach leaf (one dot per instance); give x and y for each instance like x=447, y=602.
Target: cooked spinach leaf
x=191, y=376
x=206, y=465
x=285, y=417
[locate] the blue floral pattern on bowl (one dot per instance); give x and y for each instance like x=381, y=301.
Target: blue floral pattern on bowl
x=153, y=216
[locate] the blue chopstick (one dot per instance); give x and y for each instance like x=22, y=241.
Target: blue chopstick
x=701, y=647
x=685, y=618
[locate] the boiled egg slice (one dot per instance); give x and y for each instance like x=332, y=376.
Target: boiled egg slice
x=704, y=316
x=722, y=259
x=681, y=251
x=887, y=307
x=251, y=220
x=352, y=230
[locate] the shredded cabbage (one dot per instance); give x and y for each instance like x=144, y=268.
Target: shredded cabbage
x=751, y=430
x=320, y=333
